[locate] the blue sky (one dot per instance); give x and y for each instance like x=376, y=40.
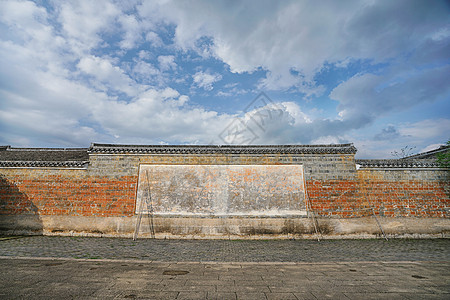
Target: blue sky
x=374, y=73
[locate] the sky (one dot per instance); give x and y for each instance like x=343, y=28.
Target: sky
x=373, y=73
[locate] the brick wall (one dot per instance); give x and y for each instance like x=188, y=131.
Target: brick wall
x=107, y=186
x=407, y=197
x=411, y=192
x=65, y=192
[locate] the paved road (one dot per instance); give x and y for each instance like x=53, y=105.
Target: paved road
x=100, y=268
x=229, y=250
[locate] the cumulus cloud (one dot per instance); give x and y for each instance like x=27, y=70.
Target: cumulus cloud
x=427, y=129
x=154, y=39
x=325, y=140
x=232, y=89
x=206, y=80
x=132, y=31
x=277, y=123
x=388, y=133
x=282, y=37
x=82, y=22
x=160, y=115
x=365, y=97
x=148, y=73
x=103, y=71
x=167, y=62
x=113, y=71
x=420, y=135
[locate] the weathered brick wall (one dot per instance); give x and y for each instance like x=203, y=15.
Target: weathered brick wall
x=331, y=173
x=414, y=192
x=391, y=193
x=390, y=188
x=65, y=192
x=107, y=186
x=336, y=198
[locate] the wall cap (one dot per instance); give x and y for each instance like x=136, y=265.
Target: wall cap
x=44, y=164
x=397, y=163
x=222, y=149
x=11, y=157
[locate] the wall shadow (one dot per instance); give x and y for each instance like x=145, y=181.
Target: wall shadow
x=18, y=214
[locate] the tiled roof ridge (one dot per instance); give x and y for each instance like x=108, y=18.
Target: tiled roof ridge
x=244, y=149
x=397, y=163
x=41, y=164
x=43, y=157
x=9, y=148
x=443, y=148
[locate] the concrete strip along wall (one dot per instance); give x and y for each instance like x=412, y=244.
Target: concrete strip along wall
x=220, y=192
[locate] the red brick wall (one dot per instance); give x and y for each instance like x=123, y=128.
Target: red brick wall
x=390, y=195
x=77, y=193
x=335, y=198
x=407, y=193
x=68, y=193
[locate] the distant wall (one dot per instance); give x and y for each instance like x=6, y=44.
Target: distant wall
x=100, y=197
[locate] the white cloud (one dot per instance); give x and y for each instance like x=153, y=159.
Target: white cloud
x=51, y=113
x=77, y=59
x=323, y=140
x=274, y=123
x=206, y=80
x=232, y=89
x=283, y=36
x=25, y=16
x=363, y=98
x=224, y=94
x=388, y=133
x=167, y=62
x=132, y=31
x=147, y=73
x=54, y=128
x=160, y=115
x=420, y=136
x=154, y=39
x=106, y=73
x=83, y=21
x=427, y=129
x=144, y=54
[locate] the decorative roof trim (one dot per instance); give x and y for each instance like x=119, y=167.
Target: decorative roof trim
x=221, y=149
x=44, y=164
x=429, y=154
x=397, y=163
x=9, y=148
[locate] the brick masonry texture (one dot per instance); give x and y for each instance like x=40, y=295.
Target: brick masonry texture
x=107, y=187
x=65, y=192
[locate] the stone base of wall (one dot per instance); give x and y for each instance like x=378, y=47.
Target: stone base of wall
x=224, y=228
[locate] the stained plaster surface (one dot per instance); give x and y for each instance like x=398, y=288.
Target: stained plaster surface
x=267, y=190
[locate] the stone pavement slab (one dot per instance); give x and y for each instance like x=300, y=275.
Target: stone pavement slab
x=102, y=268
x=48, y=278
x=228, y=250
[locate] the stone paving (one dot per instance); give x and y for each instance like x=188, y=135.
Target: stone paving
x=102, y=268
x=229, y=250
